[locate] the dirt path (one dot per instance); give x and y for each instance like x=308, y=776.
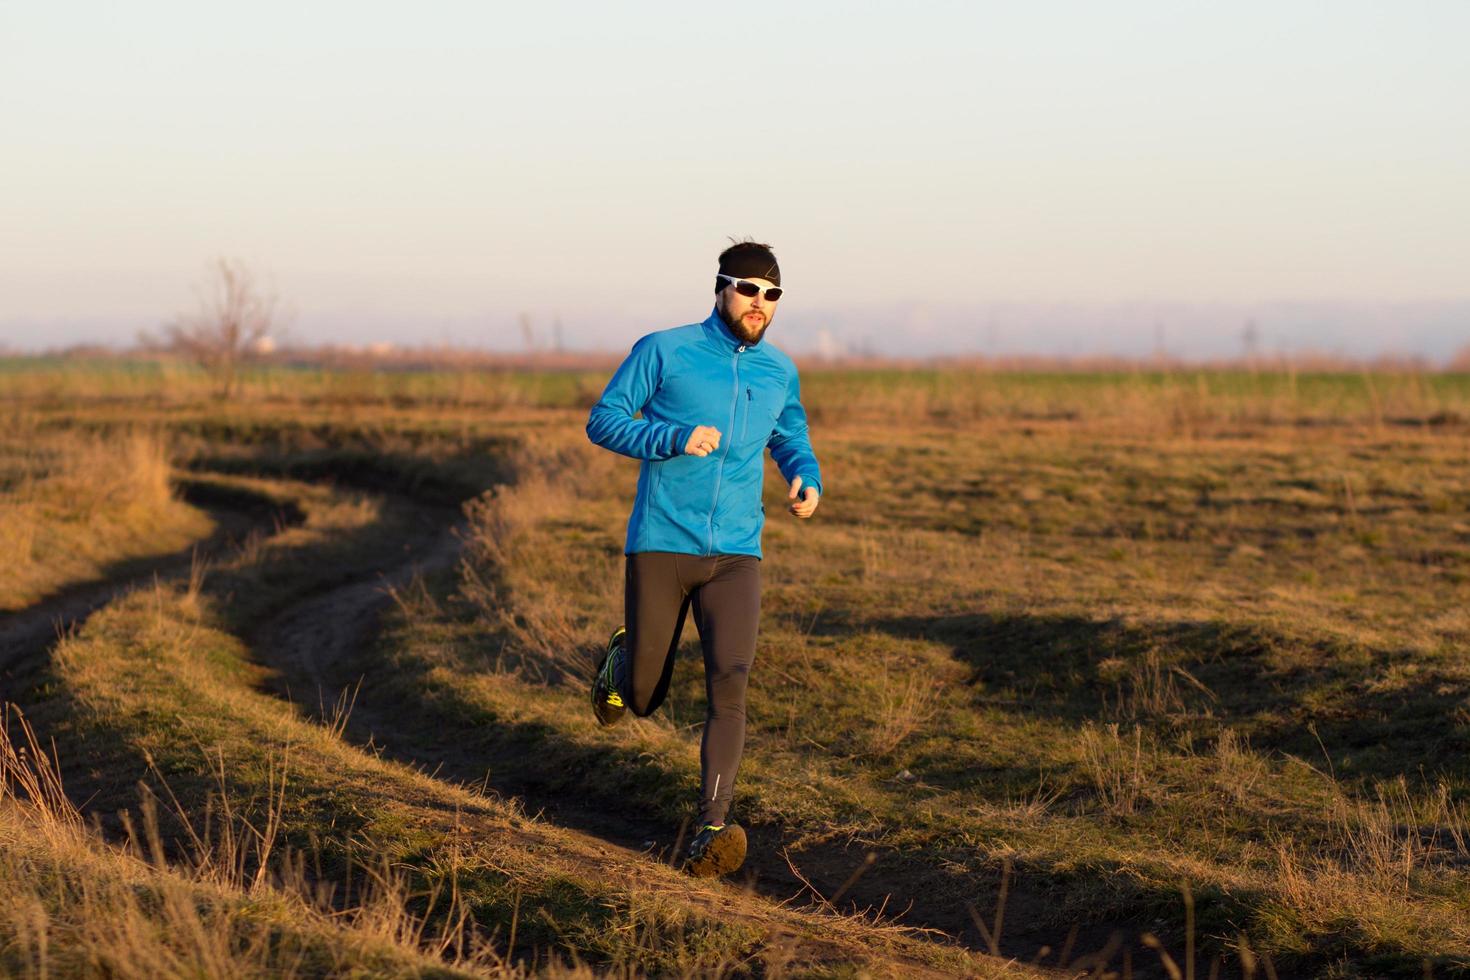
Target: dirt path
x=25, y=636
x=305, y=641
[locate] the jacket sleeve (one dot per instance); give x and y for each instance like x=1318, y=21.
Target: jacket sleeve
x=611, y=424
x=790, y=445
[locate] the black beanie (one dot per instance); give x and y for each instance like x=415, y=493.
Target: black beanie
x=748, y=261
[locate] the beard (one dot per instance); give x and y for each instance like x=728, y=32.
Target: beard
x=749, y=331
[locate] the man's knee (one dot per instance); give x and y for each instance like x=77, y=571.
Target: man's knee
x=732, y=679
x=644, y=703
x=727, y=692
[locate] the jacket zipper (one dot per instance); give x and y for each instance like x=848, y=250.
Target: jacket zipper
x=709, y=548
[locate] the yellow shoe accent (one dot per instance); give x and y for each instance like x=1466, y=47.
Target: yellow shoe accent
x=607, y=703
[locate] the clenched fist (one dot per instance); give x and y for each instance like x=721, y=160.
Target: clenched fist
x=804, y=504
x=704, y=440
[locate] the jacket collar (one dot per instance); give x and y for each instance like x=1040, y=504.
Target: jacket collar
x=719, y=334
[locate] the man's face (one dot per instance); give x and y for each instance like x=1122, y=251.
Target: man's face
x=747, y=316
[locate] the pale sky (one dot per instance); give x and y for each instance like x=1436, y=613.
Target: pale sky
x=934, y=176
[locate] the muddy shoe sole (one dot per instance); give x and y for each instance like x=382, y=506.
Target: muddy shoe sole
x=724, y=854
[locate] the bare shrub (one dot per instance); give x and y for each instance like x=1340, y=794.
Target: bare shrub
x=235, y=319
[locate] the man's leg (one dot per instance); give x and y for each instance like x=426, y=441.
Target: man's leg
x=655, y=602
x=727, y=610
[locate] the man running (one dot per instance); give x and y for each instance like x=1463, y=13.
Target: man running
x=713, y=398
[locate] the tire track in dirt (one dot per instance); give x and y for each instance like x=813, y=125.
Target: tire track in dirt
x=304, y=641
x=26, y=635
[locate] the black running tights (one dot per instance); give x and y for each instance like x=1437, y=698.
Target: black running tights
x=725, y=591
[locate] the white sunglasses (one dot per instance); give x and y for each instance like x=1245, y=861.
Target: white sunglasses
x=747, y=288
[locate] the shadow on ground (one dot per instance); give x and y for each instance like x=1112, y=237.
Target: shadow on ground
x=1285, y=694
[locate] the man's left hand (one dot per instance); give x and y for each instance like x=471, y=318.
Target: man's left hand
x=803, y=502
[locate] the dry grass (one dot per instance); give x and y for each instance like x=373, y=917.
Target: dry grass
x=1240, y=770
x=440, y=871
x=1118, y=767
x=1384, y=866
x=495, y=386
x=304, y=855
x=73, y=904
x=553, y=609
x=1155, y=398
x=75, y=504
x=1124, y=632
x=904, y=705
x=1076, y=607
x=1147, y=686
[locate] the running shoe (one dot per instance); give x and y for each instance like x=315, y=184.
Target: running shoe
x=607, y=703
x=716, y=850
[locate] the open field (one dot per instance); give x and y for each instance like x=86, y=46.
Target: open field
x=1175, y=665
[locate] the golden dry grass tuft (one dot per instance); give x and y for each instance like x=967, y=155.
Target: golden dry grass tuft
x=550, y=606
x=75, y=504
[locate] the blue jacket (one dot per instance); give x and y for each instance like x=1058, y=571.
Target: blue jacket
x=701, y=374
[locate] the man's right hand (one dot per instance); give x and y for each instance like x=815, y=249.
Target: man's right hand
x=704, y=440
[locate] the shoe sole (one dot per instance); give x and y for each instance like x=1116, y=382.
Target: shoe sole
x=724, y=854
x=606, y=714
